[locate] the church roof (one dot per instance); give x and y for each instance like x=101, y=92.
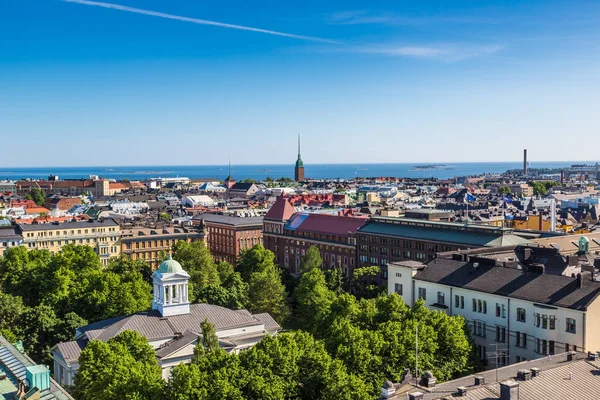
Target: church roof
x=152, y=325
x=282, y=210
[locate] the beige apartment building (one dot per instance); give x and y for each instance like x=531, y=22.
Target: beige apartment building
x=103, y=236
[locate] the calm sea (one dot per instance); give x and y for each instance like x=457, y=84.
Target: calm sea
x=239, y=172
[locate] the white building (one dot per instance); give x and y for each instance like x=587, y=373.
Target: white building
x=172, y=327
x=510, y=298
x=197, y=201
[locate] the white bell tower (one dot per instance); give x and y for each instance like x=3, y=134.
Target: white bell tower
x=170, y=289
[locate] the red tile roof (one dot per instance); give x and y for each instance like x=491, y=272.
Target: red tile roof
x=117, y=186
x=330, y=224
x=282, y=210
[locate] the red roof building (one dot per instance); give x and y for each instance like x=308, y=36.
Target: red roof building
x=289, y=236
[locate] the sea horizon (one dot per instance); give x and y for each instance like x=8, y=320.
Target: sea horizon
x=441, y=170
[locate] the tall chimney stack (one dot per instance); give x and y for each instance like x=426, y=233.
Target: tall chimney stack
x=525, y=162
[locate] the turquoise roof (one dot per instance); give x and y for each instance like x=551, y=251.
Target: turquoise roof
x=438, y=234
x=170, y=266
x=299, y=163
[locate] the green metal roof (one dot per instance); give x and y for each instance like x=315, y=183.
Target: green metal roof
x=169, y=266
x=441, y=233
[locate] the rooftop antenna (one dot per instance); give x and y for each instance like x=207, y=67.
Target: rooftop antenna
x=496, y=354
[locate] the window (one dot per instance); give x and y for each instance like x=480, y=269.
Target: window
x=497, y=310
x=462, y=302
x=544, y=322
x=521, y=314
x=422, y=293
x=479, y=306
x=500, y=334
x=503, y=311
x=441, y=298
x=567, y=347
x=485, y=307
x=479, y=328
x=551, y=347
x=456, y=301
x=570, y=325
x=474, y=305
x=552, y=322
x=398, y=288
x=538, y=320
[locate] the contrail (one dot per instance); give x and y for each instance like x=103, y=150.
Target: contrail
x=200, y=21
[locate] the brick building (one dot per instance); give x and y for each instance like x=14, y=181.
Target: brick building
x=383, y=240
x=227, y=236
x=288, y=235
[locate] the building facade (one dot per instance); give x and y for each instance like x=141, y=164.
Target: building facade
x=523, y=300
x=385, y=239
x=9, y=237
x=103, y=236
x=333, y=235
x=228, y=236
x=147, y=243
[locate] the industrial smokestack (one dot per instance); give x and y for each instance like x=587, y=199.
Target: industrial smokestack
x=525, y=162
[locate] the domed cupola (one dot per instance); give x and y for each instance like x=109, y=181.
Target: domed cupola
x=170, y=289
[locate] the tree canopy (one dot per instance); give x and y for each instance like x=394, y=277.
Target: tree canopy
x=125, y=367
x=37, y=195
x=47, y=296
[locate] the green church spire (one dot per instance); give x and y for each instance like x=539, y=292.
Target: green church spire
x=299, y=162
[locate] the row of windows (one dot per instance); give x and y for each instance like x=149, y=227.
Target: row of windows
x=330, y=238
x=367, y=245
x=69, y=232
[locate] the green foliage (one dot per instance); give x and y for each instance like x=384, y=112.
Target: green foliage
x=363, y=282
x=126, y=265
x=310, y=260
x=209, y=336
x=313, y=298
x=37, y=195
x=48, y=296
x=288, y=366
x=123, y=368
x=165, y=217
x=232, y=294
x=540, y=188
x=504, y=190
x=196, y=260
x=249, y=180
x=225, y=270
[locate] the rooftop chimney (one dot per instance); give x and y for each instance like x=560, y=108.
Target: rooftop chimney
x=509, y=390
x=415, y=396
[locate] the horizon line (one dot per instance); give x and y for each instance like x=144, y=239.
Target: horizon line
x=292, y=164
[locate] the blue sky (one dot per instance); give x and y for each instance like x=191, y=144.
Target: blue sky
x=87, y=83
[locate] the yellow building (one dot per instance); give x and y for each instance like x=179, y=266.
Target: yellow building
x=103, y=236
x=147, y=243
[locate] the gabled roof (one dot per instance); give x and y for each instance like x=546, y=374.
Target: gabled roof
x=281, y=210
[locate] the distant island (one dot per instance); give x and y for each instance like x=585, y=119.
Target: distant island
x=428, y=167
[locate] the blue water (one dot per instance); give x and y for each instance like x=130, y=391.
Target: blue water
x=239, y=172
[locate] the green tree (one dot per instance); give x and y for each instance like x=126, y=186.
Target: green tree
x=209, y=336
x=504, y=190
x=125, y=265
x=363, y=282
x=125, y=367
x=267, y=294
x=225, y=270
x=310, y=260
x=11, y=312
x=37, y=195
x=196, y=260
x=165, y=217
x=539, y=189
x=313, y=299
x=254, y=259
x=249, y=180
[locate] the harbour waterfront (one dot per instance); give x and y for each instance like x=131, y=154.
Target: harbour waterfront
x=258, y=172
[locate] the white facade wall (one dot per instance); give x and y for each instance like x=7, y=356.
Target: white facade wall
x=484, y=322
